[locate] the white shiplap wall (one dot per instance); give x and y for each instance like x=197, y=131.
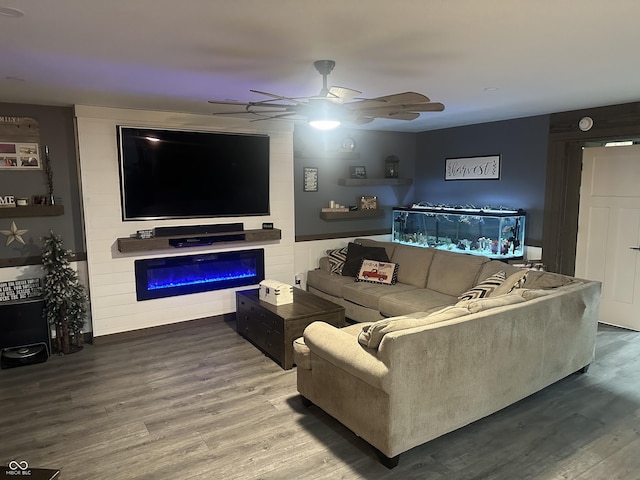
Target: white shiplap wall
x=111, y=274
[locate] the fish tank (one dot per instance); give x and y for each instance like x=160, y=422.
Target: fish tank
x=492, y=232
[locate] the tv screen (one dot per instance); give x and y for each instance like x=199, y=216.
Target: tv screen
x=177, y=174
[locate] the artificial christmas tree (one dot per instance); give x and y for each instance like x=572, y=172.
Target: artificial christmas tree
x=65, y=298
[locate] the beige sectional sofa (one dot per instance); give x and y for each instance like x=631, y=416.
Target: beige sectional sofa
x=439, y=363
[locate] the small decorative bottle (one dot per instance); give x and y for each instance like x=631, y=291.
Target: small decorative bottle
x=391, y=167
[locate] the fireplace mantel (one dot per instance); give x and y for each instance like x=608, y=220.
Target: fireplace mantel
x=133, y=245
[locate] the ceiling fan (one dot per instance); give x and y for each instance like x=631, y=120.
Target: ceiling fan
x=334, y=105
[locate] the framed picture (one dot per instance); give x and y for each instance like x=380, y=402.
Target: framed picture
x=310, y=179
x=39, y=200
x=368, y=202
x=19, y=156
x=473, y=168
x=358, y=172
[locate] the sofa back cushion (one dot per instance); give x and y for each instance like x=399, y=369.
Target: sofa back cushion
x=453, y=273
x=356, y=253
x=414, y=264
x=367, y=242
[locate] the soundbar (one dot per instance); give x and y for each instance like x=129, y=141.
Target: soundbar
x=206, y=240
x=198, y=229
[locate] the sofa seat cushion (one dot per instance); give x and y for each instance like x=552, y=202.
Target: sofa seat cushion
x=329, y=283
x=454, y=273
x=418, y=300
x=369, y=294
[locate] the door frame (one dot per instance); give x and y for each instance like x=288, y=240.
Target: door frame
x=564, y=171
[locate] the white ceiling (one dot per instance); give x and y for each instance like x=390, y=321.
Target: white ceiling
x=541, y=56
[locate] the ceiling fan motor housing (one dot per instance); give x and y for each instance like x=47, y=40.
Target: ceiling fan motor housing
x=324, y=67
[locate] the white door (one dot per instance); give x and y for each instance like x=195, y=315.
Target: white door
x=609, y=231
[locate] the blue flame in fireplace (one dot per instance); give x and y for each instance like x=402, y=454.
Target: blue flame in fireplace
x=171, y=277
x=185, y=274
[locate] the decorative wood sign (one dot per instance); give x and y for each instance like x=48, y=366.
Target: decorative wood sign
x=473, y=168
x=20, y=289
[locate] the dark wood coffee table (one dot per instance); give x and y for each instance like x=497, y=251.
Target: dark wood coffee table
x=274, y=328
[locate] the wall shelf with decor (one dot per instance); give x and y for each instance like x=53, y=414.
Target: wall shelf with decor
x=353, y=215
x=358, y=182
x=328, y=155
x=133, y=245
x=32, y=211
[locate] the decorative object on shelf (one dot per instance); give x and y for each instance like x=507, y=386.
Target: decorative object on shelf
x=7, y=201
x=310, y=179
x=359, y=171
x=391, y=167
x=148, y=233
x=14, y=234
x=348, y=145
x=49, y=172
x=22, y=202
x=39, y=200
x=368, y=202
x=65, y=298
x=473, y=168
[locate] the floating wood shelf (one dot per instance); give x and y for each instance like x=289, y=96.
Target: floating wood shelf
x=356, y=182
x=327, y=155
x=356, y=214
x=32, y=211
x=132, y=244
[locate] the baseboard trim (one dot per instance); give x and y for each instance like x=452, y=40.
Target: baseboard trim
x=172, y=327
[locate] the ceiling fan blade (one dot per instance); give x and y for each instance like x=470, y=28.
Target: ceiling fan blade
x=398, y=115
x=342, y=94
x=276, y=97
x=404, y=98
x=421, y=107
x=359, y=120
x=394, y=99
x=227, y=102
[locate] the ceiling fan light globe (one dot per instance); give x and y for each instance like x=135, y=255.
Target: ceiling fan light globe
x=323, y=124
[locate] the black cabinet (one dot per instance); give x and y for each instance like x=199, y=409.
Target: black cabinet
x=24, y=333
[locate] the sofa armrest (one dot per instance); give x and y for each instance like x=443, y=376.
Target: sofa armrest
x=342, y=350
x=324, y=264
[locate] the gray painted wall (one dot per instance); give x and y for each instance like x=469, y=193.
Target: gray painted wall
x=522, y=144
x=56, y=131
x=314, y=149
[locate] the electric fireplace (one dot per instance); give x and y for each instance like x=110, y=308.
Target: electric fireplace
x=182, y=275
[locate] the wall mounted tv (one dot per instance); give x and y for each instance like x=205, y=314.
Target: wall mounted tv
x=187, y=174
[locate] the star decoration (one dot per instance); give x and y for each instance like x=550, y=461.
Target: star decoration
x=14, y=234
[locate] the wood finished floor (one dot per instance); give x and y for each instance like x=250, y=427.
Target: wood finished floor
x=203, y=403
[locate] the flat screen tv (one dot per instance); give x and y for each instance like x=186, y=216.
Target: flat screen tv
x=168, y=174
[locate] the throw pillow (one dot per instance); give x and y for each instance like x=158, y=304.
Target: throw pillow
x=545, y=280
x=513, y=281
x=337, y=258
x=371, y=335
x=481, y=304
x=373, y=271
x=484, y=288
x=357, y=253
